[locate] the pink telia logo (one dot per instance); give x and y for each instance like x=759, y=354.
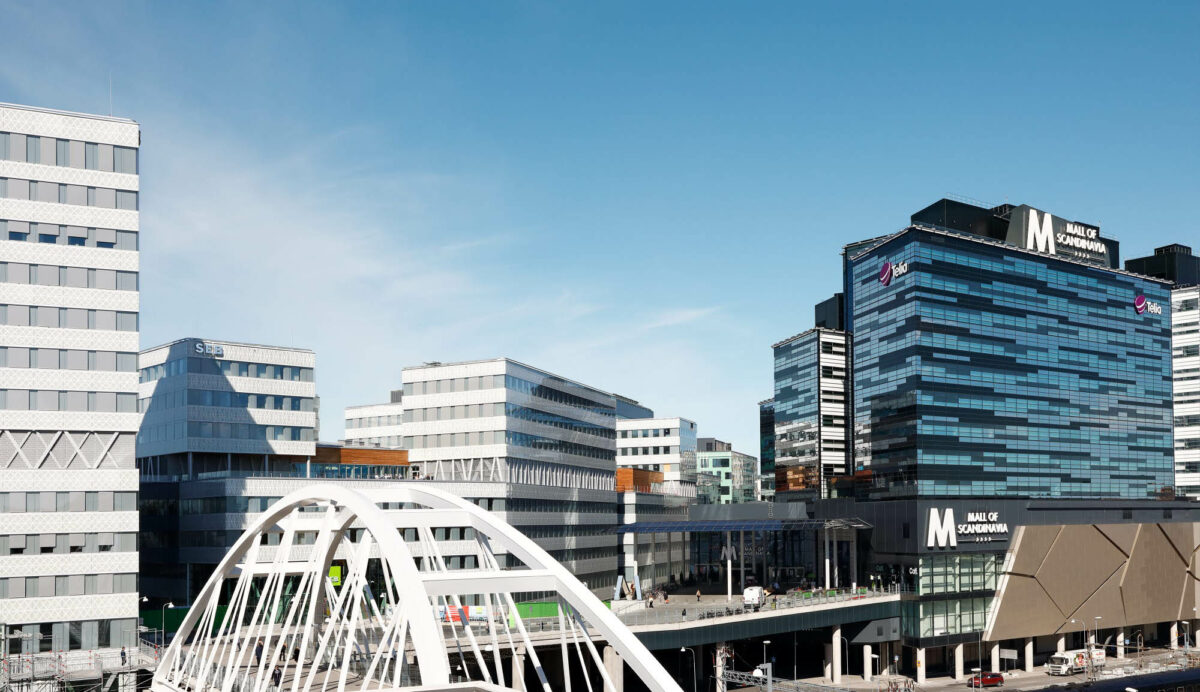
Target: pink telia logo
x=1142, y=306
x=890, y=271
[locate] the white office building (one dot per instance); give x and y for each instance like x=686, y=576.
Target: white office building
x=214, y=410
x=68, y=380
x=666, y=445
x=1185, y=346
x=377, y=425
x=538, y=448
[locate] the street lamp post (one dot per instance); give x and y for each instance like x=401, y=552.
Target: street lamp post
x=766, y=669
x=168, y=604
x=694, y=675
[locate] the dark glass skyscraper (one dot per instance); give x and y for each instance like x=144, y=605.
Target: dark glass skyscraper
x=985, y=369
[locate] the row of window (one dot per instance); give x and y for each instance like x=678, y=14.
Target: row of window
x=86, y=635
x=62, y=193
x=225, y=399
x=467, y=384
x=224, y=431
x=72, y=277
x=488, y=437
x=58, y=400
x=383, y=441
x=375, y=421
x=68, y=318
x=227, y=368
x=67, y=359
x=50, y=151
x=652, y=432
x=73, y=585
x=66, y=543
x=638, y=451
x=55, y=234
x=72, y=501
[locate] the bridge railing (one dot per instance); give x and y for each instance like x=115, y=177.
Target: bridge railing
x=682, y=609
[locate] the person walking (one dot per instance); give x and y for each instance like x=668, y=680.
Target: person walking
x=697, y=595
x=123, y=657
x=276, y=677
x=258, y=648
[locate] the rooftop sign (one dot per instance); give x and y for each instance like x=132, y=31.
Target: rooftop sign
x=1040, y=231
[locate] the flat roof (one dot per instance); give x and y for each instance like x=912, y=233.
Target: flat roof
x=806, y=332
x=72, y=114
x=225, y=343
x=1008, y=246
x=505, y=359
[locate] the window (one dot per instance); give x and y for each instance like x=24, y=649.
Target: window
x=62, y=153
x=76, y=240
x=14, y=235
x=33, y=149
x=125, y=160
x=3, y=147
x=91, y=156
x=126, y=200
x=47, y=238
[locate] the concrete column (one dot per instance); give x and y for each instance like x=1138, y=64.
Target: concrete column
x=868, y=665
x=742, y=559
x=837, y=581
x=1174, y=635
x=518, y=669
x=1121, y=643
x=958, y=661
x=728, y=567
x=836, y=646
x=615, y=667
x=825, y=534
x=1028, y=654
x=853, y=558
x=829, y=661
x=920, y=665
x=995, y=657
x=1061, y=645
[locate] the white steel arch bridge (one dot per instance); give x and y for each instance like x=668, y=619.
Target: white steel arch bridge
x=270, y=619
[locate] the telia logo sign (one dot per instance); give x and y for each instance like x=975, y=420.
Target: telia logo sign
x=890, y=271
x=1143, y=306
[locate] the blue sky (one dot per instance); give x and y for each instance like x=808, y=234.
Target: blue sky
x=640, y=196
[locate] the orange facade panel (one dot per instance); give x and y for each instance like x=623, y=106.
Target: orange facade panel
x=637, y=480
x=372, y=456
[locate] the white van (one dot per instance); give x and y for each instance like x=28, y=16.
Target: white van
x=754, y=597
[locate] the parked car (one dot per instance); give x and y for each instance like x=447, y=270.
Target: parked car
x=986, y=680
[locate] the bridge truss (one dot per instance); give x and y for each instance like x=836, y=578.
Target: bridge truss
x=271, y=618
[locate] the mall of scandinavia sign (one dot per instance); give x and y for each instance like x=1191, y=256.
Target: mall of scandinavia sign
x=979, y=527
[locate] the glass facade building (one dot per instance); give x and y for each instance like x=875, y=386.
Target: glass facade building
x=984, y=369
x=810, y=411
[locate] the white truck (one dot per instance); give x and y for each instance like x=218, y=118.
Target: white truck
x=754, y=597
x=1075, y=661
